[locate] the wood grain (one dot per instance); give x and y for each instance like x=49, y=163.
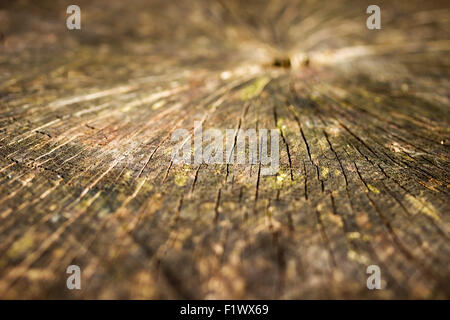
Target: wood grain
x=86, y=176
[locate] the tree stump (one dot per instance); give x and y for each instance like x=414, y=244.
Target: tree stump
x=86, y=176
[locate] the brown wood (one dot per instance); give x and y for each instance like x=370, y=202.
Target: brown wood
x=86, y=178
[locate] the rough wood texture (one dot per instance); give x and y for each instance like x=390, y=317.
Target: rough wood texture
x=85, y=171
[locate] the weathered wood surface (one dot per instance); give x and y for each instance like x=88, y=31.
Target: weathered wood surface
x=85, y=170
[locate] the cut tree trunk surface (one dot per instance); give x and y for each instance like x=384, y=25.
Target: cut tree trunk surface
x=86, y=176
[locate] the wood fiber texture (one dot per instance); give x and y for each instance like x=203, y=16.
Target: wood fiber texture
x=86, y=176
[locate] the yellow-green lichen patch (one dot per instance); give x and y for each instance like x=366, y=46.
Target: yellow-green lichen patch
x=181, y=176
x=282, y=179
x=324, y=172
x=20, y=246
x=254, y=89
x=280, y=124
x=355, y=256
x=180, y=179
x=373, y=189
x=353, y=235
x=423, y=206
